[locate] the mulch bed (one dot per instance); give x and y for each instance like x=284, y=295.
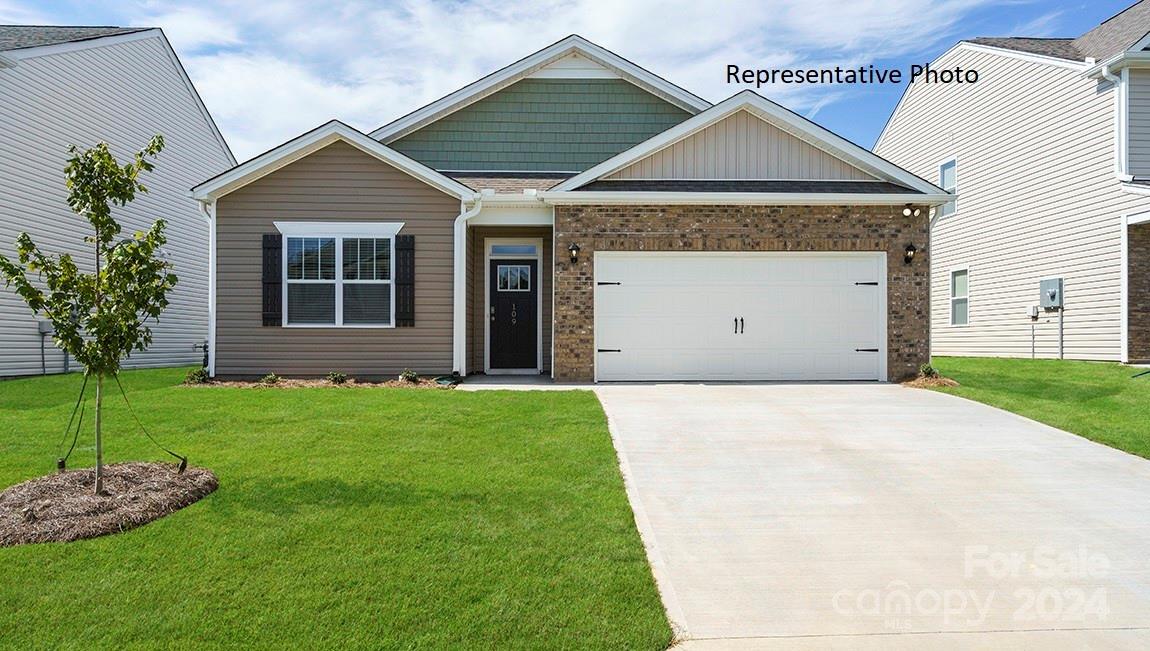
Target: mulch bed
x=62, y=507
x=925, y=382
x=295, y=383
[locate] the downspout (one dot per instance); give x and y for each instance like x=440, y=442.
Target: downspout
x=459, y=292
x=1121, y=88
x=209, y=214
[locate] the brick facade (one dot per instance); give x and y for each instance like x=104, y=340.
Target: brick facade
x=740, y=228
x=1138, y=292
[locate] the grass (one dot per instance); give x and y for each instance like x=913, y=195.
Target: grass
x=351, y=518
x=1099, y=401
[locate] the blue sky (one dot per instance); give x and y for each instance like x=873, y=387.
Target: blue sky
x=270, y=70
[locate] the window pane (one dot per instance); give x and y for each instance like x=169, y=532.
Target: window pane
x=327, y=258
x=311, y=303
x=958, y=284
x=946, y=209
x=513, y=249
x=383, y=259
x=946, y=176
x=294, y=258
x=958, y=311
x=350, y=258
x=366, y=259
x=367, y=303
x=503, y=278
x=524, y=279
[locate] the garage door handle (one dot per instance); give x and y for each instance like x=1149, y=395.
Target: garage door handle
x=866, y=350
x=742, y=326
x=736, y=325
x=608, y=350
x=607, y=283
x=874, y=283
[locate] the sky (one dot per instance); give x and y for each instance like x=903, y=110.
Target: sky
x=272, y=69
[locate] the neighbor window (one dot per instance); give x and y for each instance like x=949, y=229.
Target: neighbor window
x=948, y=180
x=359, y=295
x=959, y=297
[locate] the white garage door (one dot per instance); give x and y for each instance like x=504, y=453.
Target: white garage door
x=740, y=316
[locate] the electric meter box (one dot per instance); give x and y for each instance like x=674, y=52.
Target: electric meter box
x=1051, y=293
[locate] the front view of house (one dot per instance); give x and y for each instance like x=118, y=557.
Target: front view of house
x=577, y=216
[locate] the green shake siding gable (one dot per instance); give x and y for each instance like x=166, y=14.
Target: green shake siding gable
x=556, y=125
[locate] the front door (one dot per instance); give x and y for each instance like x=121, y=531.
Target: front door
x=513, y=314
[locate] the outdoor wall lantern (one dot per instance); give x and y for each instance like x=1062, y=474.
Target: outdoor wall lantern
x=910, y=211
x=574, y=251
x=908, y=256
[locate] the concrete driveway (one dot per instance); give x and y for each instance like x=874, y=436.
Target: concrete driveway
x=877, y=516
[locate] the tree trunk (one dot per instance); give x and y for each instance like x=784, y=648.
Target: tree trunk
x=99, y=440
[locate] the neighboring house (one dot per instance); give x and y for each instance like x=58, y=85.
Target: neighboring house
x=62, y=86
x=1049, y=153
x=574, y=215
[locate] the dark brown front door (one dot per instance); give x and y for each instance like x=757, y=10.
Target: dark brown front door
x=513, y=314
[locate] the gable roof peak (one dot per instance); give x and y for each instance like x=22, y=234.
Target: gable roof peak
x=523, y=68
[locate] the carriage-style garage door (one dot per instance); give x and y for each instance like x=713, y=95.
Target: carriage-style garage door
x=740, y=316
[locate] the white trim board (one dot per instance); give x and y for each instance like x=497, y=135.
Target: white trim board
x=317, y=139
x=743, y=198
x=771, y=113
x=529, y=65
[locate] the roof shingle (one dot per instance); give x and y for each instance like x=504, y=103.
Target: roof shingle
x=17, y=37
x=1115, y=35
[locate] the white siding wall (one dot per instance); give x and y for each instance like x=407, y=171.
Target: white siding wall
x=1038, y=197
x=1139, y=106
x=741, y=146
x=123, y=94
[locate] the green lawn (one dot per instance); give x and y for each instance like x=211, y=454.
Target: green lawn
x=350, y=518
x=1097, y=400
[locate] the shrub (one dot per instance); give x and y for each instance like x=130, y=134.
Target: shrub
x=197, y=376
x=270, y=379
x=335, y=377
x=926, y=370
x=409, y=375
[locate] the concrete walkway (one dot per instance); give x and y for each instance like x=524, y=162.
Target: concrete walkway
x=877, y=517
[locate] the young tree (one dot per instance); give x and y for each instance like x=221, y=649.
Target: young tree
x=99, y=317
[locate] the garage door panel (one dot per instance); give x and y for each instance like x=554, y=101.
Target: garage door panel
x=802, y=316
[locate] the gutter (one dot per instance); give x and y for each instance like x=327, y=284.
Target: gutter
x=743, y=198
x=1121, y=119
x=459, y=291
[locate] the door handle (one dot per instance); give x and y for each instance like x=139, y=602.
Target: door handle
x=742, y=326
x=736, y=325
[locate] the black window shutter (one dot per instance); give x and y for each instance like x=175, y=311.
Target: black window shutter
x=405, y=281
x=273, y=279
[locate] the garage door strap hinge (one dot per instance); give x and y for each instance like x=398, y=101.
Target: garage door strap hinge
x=608, y=350
x=869, y=282
x=866, y=350
x=607, y=283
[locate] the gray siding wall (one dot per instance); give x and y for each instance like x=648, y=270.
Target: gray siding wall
x=741, y=146
x=337, y=183
x=122, y=94
x=1038, y=198
x=476, y=285
x=543, y=124
x=1138, y=103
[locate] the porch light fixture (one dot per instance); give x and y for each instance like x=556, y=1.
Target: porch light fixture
x=908, y=256
x=574, y=251
x=909, y=211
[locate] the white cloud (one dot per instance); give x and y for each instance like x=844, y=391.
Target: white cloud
x=271, y=70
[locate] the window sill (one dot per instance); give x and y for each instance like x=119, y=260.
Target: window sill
x=332, y=326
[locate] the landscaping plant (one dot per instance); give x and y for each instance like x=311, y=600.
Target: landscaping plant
x=335, y=377
x=101, y=317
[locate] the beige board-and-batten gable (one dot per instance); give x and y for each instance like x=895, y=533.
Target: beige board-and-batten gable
x=741, y=146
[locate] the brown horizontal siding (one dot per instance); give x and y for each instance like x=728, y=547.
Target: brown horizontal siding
x=337, y=183
x=476, y=256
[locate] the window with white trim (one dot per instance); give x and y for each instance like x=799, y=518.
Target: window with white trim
x=360, y=294
x=959, y=297
x=513, y=278
x=948, y=180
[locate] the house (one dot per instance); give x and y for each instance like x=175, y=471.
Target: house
x=573, y=215
x=62, y=86
x=1049, y=153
